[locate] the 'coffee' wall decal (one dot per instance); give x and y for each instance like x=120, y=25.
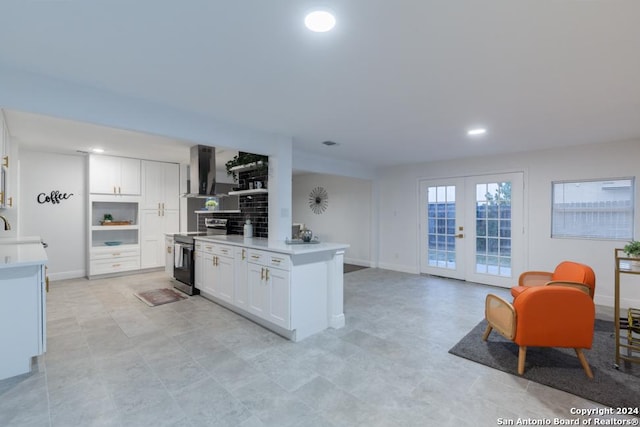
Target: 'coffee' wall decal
x=54, y=197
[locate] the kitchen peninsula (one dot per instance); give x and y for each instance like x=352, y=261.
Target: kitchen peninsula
x=23, y=305
x=293, y=290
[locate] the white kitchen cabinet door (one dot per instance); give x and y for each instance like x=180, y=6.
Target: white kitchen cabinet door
x=154, y=225
x=114, y=175
x=198, y=278
x=258, y=300
x=223, y=277
x=278, y=283
x=151, y=239
x=208, y=274
x=129, y=176
x=169, y=255
x=161, y=185
x=241, y=285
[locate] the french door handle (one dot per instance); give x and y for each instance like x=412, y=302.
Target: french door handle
x=459, y=236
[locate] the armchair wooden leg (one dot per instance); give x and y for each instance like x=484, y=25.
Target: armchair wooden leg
x=486, y=332
x=522, y=355
x=584, y=363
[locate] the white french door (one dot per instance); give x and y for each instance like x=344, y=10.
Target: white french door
x=472, y=228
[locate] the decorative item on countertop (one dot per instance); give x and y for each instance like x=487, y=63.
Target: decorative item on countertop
x=211, y=203
x=248, y=229
x=306, y=235
x=107, y=218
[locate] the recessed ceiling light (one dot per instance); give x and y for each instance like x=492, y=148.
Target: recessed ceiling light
x=329, y=143
x=320, y=21
x=479, y=131
x=98, y=150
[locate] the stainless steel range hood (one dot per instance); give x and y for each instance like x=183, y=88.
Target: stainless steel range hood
x=202, y=171
x=202, y=176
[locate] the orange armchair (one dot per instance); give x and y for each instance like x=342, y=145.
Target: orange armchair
x=567, y=273
x=544, y=316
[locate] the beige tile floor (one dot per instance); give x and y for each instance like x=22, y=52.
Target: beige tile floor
x=113, y=361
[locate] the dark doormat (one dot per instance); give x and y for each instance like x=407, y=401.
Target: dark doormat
x=559, y=367
x=348, y=268
x=162, y=296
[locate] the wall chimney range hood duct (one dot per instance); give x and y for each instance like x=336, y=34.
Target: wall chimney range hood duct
x=202, y=172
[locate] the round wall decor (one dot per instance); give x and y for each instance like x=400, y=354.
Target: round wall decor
x=318, y=200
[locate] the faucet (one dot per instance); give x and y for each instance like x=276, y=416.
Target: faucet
x=7, y=226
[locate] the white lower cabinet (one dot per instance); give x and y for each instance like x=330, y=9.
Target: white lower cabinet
x=22, y=318
x=169, y=255
x=116, y=259
x=294, y=295
x=241, y=282
x=216, y=267
x=153, y=226
x=270, y=287
x=223, y=272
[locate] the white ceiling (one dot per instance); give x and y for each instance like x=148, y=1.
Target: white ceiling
x=395, y=82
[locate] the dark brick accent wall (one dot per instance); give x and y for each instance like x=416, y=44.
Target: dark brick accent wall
x=252, y=206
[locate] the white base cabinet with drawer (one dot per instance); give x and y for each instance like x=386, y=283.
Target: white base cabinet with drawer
x=269, y=287
x=215, y=270
x=294, y=294
x=114, y=259
x=241, y=282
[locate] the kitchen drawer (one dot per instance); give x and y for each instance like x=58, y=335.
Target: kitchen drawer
x=270, y=259
x=223, y=250
x=111, y=253
x=257, y=257
x=279, y=261
x=207, y=248
x=115, y=265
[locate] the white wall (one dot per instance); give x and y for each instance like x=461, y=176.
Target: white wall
x=62, y=225
x=347, y=218
x=398, y=234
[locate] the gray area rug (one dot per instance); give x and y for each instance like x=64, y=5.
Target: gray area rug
x=162, y=296
x=560, y=368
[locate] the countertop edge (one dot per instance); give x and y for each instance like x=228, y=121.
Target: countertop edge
x=278, y=246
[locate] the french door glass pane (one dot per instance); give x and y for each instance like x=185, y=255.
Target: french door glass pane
x=441, y=220
x=493, y=228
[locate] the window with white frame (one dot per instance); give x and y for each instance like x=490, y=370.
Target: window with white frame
x=595, y=209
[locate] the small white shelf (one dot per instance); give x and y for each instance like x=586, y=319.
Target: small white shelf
x=248, y=192
x=206, y=211
x=114, y=227
x=248, y=167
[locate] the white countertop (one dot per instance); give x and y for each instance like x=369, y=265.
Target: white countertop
x=274, y=246
x=21, y=251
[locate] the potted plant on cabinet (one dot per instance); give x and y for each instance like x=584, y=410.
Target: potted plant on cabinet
x=242, y=159
x=632, y=249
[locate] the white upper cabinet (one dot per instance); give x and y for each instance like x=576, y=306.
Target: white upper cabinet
x=161, y=185
x=114, y=175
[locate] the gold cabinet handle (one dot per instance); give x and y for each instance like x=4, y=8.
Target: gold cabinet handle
x=243, y=254
x=46, y=280
x=262, y=273
x=1, y=197
x=115, y=265
x=266, y=275
x=162, y=208
x=10, y=202
x=5, y=161
x=168, y=249
x=459, y=236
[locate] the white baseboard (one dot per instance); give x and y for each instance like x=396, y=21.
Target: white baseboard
x=399, y=268
x=608, y=301
x=360, y=262
x=67, y=275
